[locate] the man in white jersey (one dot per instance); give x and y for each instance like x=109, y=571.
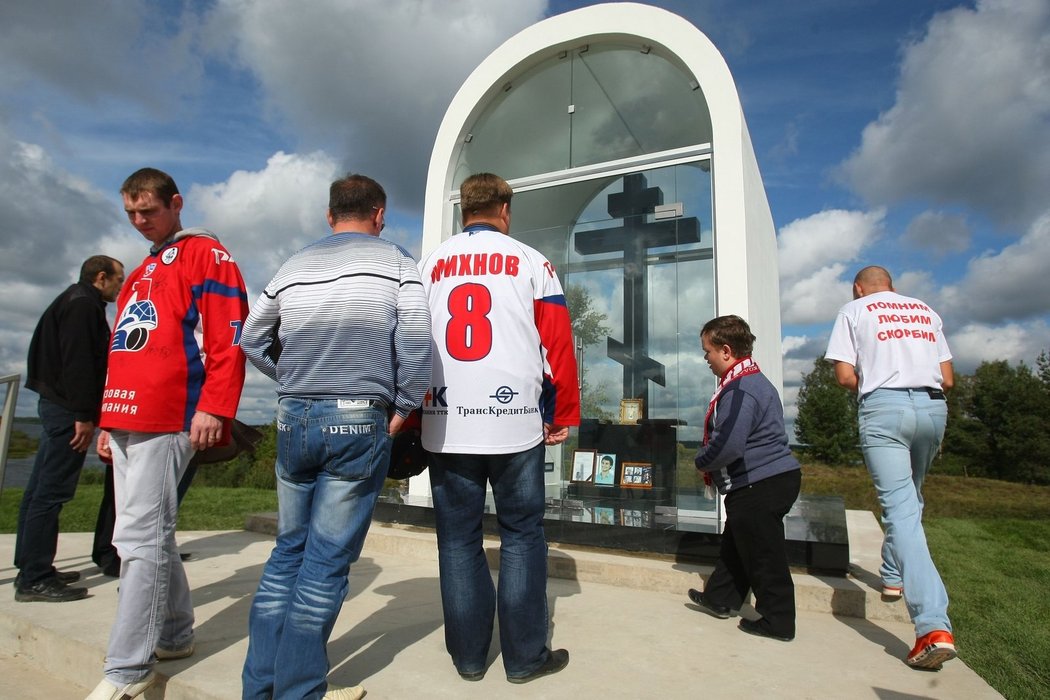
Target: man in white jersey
x=891, y=350
x=504, y=385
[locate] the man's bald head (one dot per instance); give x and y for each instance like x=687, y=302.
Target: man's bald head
x=870, y=280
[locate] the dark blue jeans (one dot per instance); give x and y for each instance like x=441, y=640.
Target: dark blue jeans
x=332, y=458
x=468, y=597
x=52, y=484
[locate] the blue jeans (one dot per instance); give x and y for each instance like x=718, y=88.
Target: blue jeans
x=900, y=433
x=468, y=596
x=331, y=463
x=52, y=484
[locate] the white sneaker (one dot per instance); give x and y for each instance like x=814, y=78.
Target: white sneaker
x=107, y=691
x=337, y=693
x=891, y=591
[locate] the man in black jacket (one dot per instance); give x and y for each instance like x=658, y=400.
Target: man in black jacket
x=67, y=367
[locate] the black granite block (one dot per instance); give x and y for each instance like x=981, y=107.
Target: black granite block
x=815, y=528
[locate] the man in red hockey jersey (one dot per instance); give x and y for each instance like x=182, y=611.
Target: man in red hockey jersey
x=175, y=375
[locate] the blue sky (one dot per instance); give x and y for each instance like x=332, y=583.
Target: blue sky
x=915, y=135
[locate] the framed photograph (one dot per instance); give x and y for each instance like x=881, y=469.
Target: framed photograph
x=548, y=466
x=604, y=515
x=583, y=465
x=630, y=411
x=605, y=473
x=637, y=475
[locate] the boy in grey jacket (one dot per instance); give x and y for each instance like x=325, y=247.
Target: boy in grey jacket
x=745, y=454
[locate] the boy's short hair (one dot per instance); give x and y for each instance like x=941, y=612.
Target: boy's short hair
x=483, y=193
x=151, y=180
x=732, y=331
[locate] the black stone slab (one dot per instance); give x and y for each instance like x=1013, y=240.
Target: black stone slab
x=815, y=529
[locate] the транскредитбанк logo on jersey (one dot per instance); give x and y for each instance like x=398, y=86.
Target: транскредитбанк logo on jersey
x=504, y=394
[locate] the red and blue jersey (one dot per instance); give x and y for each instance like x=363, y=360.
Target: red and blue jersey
x=175, y=347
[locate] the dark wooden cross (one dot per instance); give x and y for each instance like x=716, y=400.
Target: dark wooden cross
x=634, y=239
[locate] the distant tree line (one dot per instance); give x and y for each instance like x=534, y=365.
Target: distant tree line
x=998, y=421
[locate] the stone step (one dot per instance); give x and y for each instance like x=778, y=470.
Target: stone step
x=857, y=594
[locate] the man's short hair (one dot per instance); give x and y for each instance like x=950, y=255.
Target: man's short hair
x=96, y=264
x=732, y=331
x=150, y=180
x=354, y=197
x=483, y=193
x=873, y=275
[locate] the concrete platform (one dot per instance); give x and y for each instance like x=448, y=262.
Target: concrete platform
x=626, y=621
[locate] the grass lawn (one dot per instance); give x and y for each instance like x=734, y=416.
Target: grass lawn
x=990, y=539
x=205, y=508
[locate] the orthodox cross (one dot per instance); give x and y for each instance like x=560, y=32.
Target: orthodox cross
x=634, y=239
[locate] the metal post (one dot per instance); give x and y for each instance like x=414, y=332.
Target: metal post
x=7, y=419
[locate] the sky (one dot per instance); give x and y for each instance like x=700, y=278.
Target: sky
x=914, y=135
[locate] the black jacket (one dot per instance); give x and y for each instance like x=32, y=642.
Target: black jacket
x=67, y=356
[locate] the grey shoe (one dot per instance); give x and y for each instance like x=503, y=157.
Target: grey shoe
x=163, y=654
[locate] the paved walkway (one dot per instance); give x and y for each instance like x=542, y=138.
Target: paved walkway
x=628, y=640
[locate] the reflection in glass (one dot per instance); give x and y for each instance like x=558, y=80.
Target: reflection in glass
x=583, y=107
x=648, y=286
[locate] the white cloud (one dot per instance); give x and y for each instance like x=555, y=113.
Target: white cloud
x=1009, y=284
x=938, y=232
x=814, y=255
x=975, y=343
x=94, y=51
x=373, y=78
x=263, y=217
x=971, y=121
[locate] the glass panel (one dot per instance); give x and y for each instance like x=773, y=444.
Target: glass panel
x=628, y=103
x=625, y=102
x=639, y=289
x=525, y=129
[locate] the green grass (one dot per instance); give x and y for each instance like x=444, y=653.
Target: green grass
x=991, y=543
x=997, y=573
x=205, y=508
x=21, y=445
x=990, y=539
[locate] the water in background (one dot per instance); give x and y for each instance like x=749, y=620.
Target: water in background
x=16, y=475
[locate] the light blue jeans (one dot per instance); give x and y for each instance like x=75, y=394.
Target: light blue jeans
x=332, y=457
x=154, y=606
x=900, y=433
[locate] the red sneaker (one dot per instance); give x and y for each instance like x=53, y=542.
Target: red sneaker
x=933, y=649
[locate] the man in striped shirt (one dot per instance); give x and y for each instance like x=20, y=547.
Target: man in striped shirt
x=344, y=329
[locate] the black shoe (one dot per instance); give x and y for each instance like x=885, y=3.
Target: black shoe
x=50, y=590
x=112, y=569
x=66, y=577
x=556, y=661
x=760, y=628
x=472, y=676
x=719, y=611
